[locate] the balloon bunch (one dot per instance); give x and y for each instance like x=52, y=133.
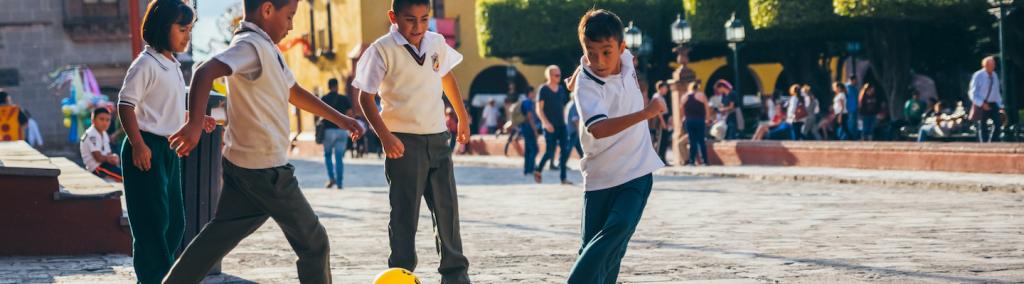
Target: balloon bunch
x=83, y=97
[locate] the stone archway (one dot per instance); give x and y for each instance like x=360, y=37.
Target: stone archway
x=493, y=83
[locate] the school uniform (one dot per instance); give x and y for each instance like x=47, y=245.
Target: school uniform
x=258, y=181
x=408, y=80
x=616, y=172
x=98, y=141
x=155, y=88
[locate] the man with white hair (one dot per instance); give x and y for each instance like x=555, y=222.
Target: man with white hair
x=551, y=100
x=988, y=103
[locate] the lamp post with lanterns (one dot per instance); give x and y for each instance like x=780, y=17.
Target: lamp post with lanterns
x=633, y=37
x=681, y=31
x=735, y=33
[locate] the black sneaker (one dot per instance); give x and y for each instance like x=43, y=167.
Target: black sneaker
x=329, y=184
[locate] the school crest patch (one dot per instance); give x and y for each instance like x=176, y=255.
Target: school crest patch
x=437, y=63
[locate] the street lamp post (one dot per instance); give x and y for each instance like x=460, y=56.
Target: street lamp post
x=633, y=37
x=735, y=33
x=681, y=31
x=999, y=9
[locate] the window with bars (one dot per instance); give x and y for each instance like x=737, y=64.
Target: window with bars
x=96, y=19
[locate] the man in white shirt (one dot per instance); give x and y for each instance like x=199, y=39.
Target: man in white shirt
x=986, y=96
x=490, y=116
x=95, y=147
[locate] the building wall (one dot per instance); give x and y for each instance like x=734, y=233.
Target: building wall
x=34, y=41
x=357, y=23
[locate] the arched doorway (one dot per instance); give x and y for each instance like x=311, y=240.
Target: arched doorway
x=493, y=83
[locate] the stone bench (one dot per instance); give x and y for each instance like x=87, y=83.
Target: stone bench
x=51, y=206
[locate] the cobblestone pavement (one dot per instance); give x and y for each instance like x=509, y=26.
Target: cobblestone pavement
x=695, y=230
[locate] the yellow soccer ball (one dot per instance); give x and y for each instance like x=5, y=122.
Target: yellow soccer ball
x=396, y=276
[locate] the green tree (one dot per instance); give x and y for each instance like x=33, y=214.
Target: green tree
x=892, y=35
x=544, y=31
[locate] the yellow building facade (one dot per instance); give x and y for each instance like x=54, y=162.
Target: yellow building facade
x=328, y=37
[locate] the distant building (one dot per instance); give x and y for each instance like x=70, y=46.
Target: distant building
x=40, y=36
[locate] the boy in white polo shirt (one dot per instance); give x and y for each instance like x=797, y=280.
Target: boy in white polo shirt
x=259, y=183
x=618, y=158
x=95, y=147
x=409, y=68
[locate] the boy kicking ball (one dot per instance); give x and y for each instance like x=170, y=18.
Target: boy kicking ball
x=259, y=183
x=618, y=158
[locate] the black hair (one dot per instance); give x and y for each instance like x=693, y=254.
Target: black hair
x=332, y=83
x=3, y=97
x=99, y=111
x=161, y=15
x=598, y=25
x=252, y=5
x=397, y=5
x=661, y=84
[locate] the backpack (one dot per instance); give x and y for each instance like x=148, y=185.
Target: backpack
x=516, y=116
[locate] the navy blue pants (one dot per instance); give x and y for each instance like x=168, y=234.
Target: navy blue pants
x=695, y=128
x=610, y=216
x=529, y=149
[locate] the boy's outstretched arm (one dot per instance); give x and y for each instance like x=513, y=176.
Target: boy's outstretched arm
x=612, y=126
x=306, y=101
x=188, y=136
x=451, y=90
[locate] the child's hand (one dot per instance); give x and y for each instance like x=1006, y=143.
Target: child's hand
x=209, y=124
x=570, y=82
x=393, y=147
x=463, y=134
x=141, y=156
x=186, y=139
x=655, y=107
x=355, y=131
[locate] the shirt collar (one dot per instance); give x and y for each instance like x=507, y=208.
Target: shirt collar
x=256, y=29
x=401, y=40
x=627, y=68
x=164, y=62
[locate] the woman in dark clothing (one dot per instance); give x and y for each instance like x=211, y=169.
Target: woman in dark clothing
x=695, y=112
x=869, y=108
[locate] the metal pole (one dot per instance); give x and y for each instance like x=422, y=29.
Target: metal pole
x=1002, y=55
x=736, y=66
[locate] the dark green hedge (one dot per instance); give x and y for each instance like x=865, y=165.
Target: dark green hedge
x=539, y=30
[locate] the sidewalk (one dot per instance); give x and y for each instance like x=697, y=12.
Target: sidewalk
x=969, y=182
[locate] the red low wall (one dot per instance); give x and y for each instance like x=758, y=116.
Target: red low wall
x=1004, y=158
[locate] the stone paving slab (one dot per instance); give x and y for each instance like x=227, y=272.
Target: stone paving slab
x=722, y=230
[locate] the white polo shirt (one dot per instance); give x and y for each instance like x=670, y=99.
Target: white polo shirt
x=93, y=141
x=612, y=161
x=156, y=89
x=408, y=79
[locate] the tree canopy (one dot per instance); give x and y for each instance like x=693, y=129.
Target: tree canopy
x=544, y=31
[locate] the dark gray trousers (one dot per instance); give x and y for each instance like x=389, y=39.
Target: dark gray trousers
x=425, y=172
x=249, y=198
